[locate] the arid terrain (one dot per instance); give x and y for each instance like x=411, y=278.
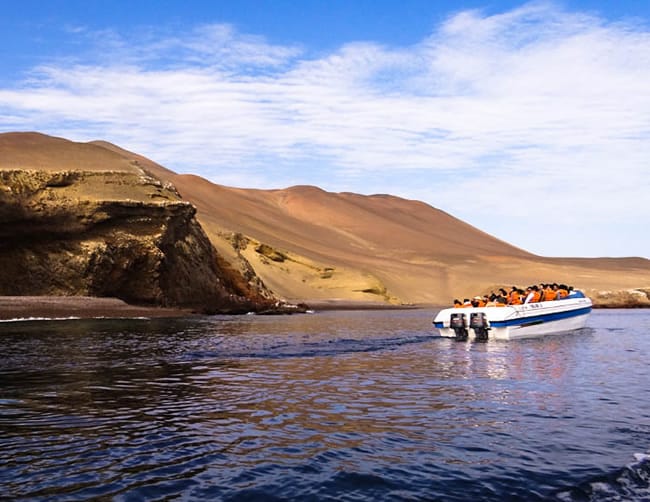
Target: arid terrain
x=308, y=245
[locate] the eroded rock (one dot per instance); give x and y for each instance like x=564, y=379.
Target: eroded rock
x=112, y=234
x=622, y=298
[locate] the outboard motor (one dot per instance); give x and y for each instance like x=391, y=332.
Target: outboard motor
x=458, y=323
x=479, y=323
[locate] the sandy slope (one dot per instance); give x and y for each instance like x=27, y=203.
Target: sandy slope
x=39, y=151
x=320, y=245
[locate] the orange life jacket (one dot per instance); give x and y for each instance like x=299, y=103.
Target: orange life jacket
x=536, y=297
x=549, y=295
x=514, y=298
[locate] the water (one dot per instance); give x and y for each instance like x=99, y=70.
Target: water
x=331, y=406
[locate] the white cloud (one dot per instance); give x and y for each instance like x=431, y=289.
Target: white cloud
x=536, y=118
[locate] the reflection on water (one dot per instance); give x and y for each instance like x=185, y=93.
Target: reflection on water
x=335, y=405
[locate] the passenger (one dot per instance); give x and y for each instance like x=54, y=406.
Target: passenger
x=458, y=304
x=549, y=293
x=529, y=295
x=533, y=295
x=562, y=291
x=515, y=297
x=501, y=301
x=541, y=287
x=555, y=287
x=478, y=302
x=467, y=303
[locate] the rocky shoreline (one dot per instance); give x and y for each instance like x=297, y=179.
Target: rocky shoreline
x=623, y=298
x=86, y=307
x=82, y=307
x=21, y=308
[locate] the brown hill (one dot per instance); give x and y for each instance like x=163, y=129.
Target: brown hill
x=38, y=151
x=308, y=244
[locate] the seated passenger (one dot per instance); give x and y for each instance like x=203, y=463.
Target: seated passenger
x=541, y=288
x=478, y=302
x=514, y=297
x=562, y=291
x=549, y=293
x=458, y=304
x=533, y=295
x=501, y=301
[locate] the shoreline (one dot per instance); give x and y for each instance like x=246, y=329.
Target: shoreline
x=339, y=304
x=26, y=308
x=34, y=308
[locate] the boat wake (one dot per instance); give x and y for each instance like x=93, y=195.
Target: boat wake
x=290, y=347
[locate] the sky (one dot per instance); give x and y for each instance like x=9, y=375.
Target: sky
x=528, y=120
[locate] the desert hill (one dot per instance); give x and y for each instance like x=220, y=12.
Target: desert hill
x=310, y=245
x=38, y=151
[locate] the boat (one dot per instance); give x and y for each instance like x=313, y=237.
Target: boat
x=513, y=322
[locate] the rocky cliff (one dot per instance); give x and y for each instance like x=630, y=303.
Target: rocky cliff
x=113, y=233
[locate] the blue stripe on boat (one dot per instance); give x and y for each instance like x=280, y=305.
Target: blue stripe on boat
x=540, y=318
x=439, y=324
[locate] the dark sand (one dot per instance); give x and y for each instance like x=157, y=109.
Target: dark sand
x=85, y=307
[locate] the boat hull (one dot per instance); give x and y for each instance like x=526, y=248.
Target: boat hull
x=520, y=321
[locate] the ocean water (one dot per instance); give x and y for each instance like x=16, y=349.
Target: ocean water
x=359, y=405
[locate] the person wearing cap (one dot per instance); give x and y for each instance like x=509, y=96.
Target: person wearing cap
x=478, y=302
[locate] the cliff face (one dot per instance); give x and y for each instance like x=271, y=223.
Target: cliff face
x=112, y=233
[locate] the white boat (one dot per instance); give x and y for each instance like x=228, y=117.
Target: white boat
x=515, y=321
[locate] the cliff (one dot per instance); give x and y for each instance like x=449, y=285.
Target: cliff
x=119, y=233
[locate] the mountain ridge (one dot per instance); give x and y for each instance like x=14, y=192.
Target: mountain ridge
x=308, y=244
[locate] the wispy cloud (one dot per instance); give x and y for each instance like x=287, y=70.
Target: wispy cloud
x=536, y=113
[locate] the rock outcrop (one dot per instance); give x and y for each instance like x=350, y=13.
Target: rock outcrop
x=113, y=233
x=621, y=298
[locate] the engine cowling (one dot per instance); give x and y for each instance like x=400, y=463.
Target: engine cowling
x=478, y=321
x=458, y=322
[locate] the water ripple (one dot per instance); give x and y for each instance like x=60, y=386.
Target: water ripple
x=336, y=406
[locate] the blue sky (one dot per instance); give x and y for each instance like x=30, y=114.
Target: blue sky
x=530, y=121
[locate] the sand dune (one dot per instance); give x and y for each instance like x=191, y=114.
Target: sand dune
x=38, y=151
x=306, y=243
